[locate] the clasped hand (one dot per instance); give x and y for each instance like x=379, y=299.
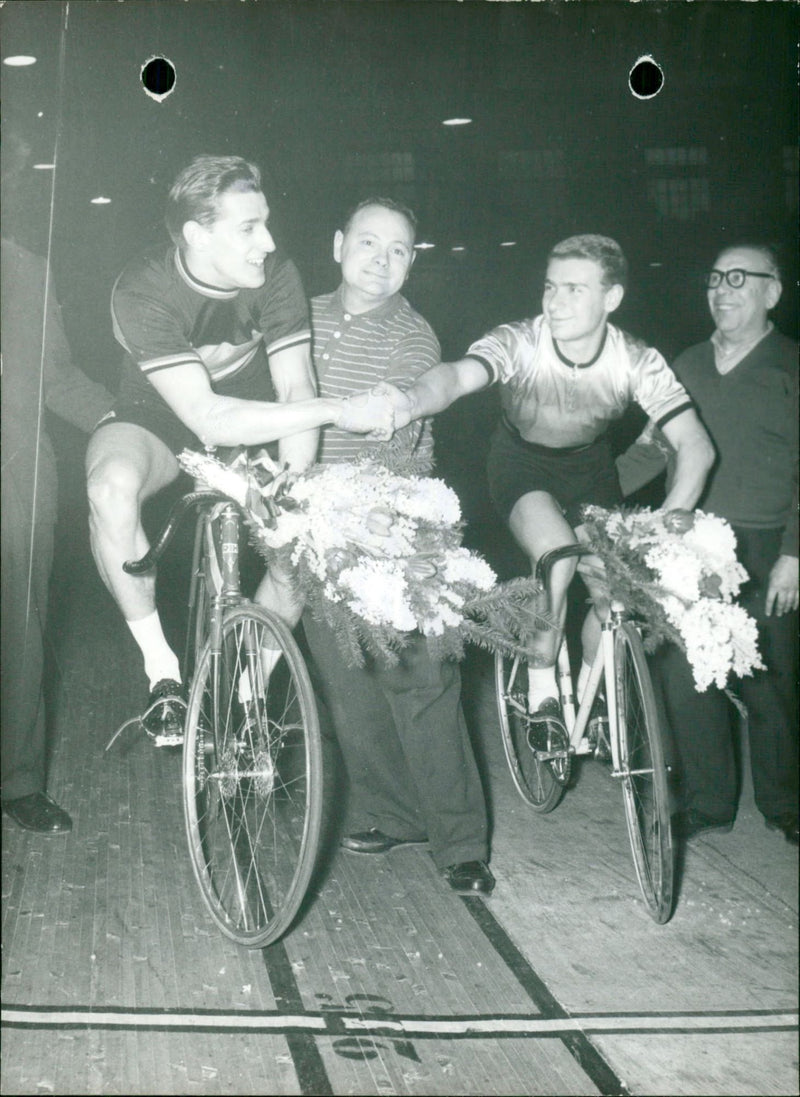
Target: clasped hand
x=377, y=413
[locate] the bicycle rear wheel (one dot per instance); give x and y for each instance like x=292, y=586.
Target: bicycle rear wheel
x=536, y=781
x=252, y=777
x=643, y=773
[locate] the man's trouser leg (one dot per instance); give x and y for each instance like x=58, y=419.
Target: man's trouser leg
x=406, y=747
x=770, y=695
x=425, y=698
x=699, y=727
x=25, y=580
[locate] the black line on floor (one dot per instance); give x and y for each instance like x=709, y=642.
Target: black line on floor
x=308, y=1063
x=579, y=1046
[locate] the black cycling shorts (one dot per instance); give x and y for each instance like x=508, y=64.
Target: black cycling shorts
x=574, y=476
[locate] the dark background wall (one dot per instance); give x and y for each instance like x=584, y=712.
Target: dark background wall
x=336, y=100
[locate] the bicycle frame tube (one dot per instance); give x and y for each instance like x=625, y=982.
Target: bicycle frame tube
x=577, y=722
x=607, y=643
x=223, y=568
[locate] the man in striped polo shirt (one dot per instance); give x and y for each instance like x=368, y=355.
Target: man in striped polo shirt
x=412, y=773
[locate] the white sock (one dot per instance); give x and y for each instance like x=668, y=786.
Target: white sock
x=583, y=679
x=541, y=685
x=160, y=661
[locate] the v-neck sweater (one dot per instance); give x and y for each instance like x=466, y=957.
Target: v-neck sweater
x=751, y=414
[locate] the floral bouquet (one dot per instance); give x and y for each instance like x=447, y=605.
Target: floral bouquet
x=677, y=571
x=375, y=554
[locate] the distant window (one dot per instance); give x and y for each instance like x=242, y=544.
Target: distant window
x=380, y=167
x=678, y=195
x=527, y=164
x=676, y=157
x=679, y=199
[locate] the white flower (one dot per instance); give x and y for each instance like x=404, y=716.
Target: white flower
x=461, y=565
x=698, y=575
x=380, y=594
x=720, y=639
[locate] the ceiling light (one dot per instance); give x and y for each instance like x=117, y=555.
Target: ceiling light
x=100, y=201
x=508, y=243
x=456, y=121
x=424, y=246
x=458, y=247
x=19, y=60
x=43, y=167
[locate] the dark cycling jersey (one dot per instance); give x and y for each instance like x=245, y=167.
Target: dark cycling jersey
x=164, y=318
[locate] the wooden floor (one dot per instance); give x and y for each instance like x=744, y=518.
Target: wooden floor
x=116, y=981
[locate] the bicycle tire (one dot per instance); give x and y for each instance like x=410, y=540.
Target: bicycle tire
x=534, y=780
x=643, y=774
x=252, y=779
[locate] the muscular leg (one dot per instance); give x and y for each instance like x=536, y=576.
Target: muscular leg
x=125, y=465
x=539, y=526
x=597, y=613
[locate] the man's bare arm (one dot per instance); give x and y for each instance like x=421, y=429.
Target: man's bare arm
x=228, y=421
x=694, y=456
x=435, y=390
x=294, y=381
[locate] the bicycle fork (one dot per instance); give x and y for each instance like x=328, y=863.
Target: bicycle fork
x=608, y=637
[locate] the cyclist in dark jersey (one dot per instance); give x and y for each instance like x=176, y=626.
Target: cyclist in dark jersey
x=217, y=341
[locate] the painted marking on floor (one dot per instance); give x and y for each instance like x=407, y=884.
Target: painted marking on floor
x=470, y=1026
x=309, y=1066
x=576, y=1041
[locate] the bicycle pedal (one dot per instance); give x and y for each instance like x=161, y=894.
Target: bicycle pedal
x=167, y=740
x=602, y=752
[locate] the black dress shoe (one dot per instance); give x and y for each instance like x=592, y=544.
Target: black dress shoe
x=166, y=711
x=38, y=812
x=470, y=878
x=375, y=841
x=688, y=824
x=788, y=824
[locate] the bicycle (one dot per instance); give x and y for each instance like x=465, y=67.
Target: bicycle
x=252, y=753
x=629, y=737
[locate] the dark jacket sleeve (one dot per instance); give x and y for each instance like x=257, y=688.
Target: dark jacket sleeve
x=68, y=392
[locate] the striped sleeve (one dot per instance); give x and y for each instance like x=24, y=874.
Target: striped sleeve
x=656, y=388
x=145, y=326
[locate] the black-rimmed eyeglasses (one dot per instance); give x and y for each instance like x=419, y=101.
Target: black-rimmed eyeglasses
x=735, y=278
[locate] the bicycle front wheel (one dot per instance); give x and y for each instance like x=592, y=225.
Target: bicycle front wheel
x=643, y=773
x=252, y=777
x=535, y=780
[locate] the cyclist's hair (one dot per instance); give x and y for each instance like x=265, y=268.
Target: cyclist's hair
x=602, y=250
x=386, y=203
x=770, y=252
x=195, y=194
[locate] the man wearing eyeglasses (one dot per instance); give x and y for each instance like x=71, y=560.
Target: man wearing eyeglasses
x=744, y=383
